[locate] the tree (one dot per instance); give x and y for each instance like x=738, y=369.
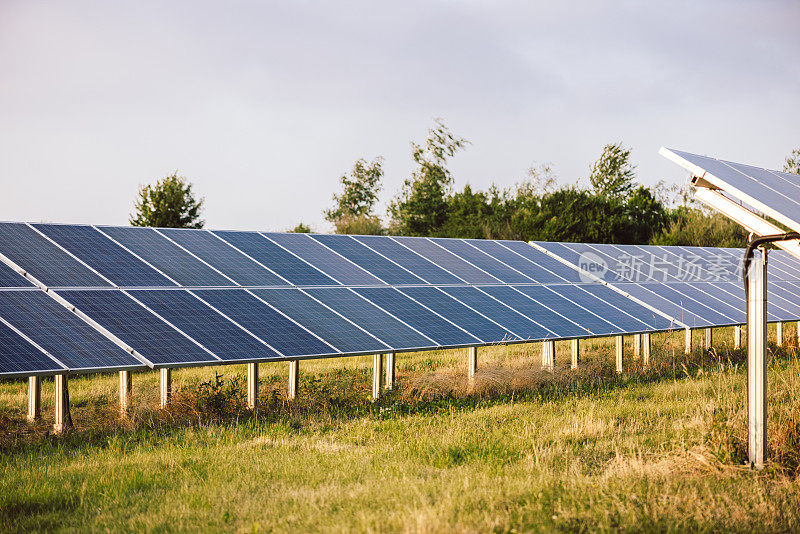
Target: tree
x=352, y=212
x=792, y=163
x=421, y=207
x=612, y=175
x=169, y=203
x=301, y=229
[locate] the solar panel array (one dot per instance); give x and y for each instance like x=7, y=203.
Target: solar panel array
x=127, y=298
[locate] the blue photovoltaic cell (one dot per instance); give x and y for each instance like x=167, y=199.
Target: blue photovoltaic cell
x=595, y=323
x=696, y=292
x=135, y=325
x=371, y=318
x=446, y=260
x=425, y=269
x=525, y=265
x=281, y=333
x=103, y=255
x=613, y=307
x=277, y=259
x=460, y=314
x=646, y=315
x=672, y=304
x=17, y=356
x=543, y=260
x=785, y=262
x=325, y=259
x=203, y=324
x=11, y=278
x=331, y=327
x=785, y=295
x=540, y=312
x=515, y=322
x=707, y=264
x=721, y=298
x=223, y=257
x=63, y=334
x=482, y=261
x=368, y=259
x=166, y=256
x=44, y=260
x=411, y=313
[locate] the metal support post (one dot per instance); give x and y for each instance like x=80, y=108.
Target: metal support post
x=62, y=420
x=620, y=350
x=688, y=341
x=165, y=375
x=576, y=352
x=125, y=387
x=252, y=386
x=472, y=364
x=377, y=376
x=390, y=370
x=34, y=398
x=709, y=338
x=646, y=346
x=779, y=334
x=294, y=379
x=756, y=361
x=548, y=355
x=737, y=337
x=637, y=346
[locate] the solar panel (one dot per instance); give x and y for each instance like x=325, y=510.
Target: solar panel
x=525, y=265
x=166, y=256
x=551, y=264
x=483, y=261
x=11, y=278
x=553, y=299
x=223, y=257
x=285, y=336
x=20, y=358
x=326, y=323
x=462, y=315
x=774, y=193
x=446, y=260
x=367, y=259
x=442, y=331
x=63, y=334
x=325, y=259
x=103, y=255
x=203, y=324
x=277, y=259
x=420, y=266
x=150, y=336
x=513, y=321
x=558, y=325
x=607, y=295
x=43, y=260
x=371, y=318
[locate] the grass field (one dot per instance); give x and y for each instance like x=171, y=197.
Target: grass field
x=659, y=449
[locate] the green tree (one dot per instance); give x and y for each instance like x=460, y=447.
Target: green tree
x=301, y=229
x=352, y=211
x=169, y=203
x=612, y=175
x=695, y=227
x=421, y=208
x=792, y=163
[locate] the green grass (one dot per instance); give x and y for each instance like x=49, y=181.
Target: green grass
x=656, y=450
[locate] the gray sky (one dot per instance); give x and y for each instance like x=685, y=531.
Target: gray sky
x=264, y=105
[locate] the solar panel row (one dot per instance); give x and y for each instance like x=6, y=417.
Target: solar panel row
x=196, y=297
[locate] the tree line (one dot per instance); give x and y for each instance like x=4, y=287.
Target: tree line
x=612, y=208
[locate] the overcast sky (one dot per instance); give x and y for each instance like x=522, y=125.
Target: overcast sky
x=264, y=105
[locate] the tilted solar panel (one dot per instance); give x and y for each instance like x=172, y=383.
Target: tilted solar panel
x=223, y=257
x=367, y=259
x=11, y=278
x=43, y=260
x=18, y=357
x=166, y=256
x=419, y=265
x=483, y=261
x=448, y=261
x=67, y=337
x=139, y=328
x=103, y=255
